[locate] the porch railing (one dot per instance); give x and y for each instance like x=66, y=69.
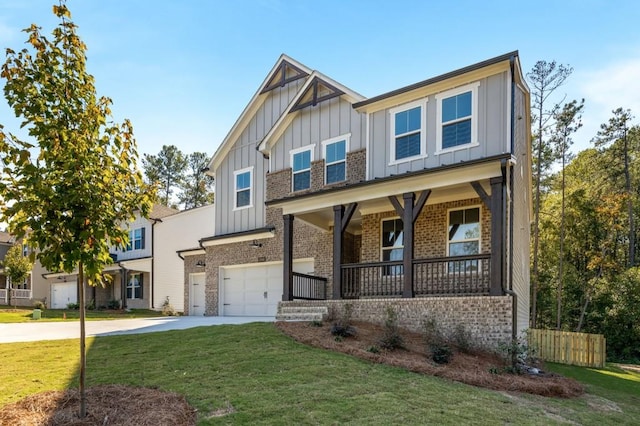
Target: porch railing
x=309, y=287
x=445, y=276
x=21, y=294
x=3, y=296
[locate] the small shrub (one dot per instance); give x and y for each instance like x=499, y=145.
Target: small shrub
x=38, y=304
x=462, y=338
x=518, y=353
x=91, y=305
x=338, y=338
x=342, y=326
x=391, y=338
x=441, y=354
x=494, y=370
x=73, y=306
x=113, y=304
x=437, y=344
x=315, y=323
x=373, y=349
x=167, y=308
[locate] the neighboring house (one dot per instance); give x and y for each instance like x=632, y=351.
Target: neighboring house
x=21, y=294
x=145, y=273
x=420, y=192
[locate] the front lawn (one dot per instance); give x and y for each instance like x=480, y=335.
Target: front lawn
x=10, y=315
x=257, y=375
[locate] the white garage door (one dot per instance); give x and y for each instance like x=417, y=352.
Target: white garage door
x=62, y=294
x=255, y=290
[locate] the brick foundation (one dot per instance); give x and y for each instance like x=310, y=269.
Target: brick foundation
x=486, y=319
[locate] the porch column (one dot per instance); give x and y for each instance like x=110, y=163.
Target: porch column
x=338, y=248
x=497, y=248
x=407, y=253
x=287, y=263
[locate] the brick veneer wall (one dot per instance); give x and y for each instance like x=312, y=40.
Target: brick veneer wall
x=279, y=183
x=308, y=242
x=487, y=319
x=190, y=268
x=430, y=230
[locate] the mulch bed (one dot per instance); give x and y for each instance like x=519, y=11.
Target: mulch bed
x=479, y=368
x=106, y=405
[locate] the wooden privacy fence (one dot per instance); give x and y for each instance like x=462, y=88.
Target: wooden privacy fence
x=586, y=350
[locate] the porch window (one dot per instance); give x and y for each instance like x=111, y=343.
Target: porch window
x=134, y=286
x=335, y=156
x=457, y=118
x=464, y=238
x=392, y=244
x=243, y=188
x=136, y=239
x=408, y=131
x=301, y=168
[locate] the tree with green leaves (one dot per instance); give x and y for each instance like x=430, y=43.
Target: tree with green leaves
x=17, y=267
x=545, y=78
x=197, y=186
x=166, y=170
x=616, y=133
x=567, y=122
x=69, y=192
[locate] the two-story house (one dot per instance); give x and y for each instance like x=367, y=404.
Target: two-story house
x=144, y=274
x=418, y=198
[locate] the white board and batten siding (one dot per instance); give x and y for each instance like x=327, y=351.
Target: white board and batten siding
x=327, y=120
x=492, y=123
x=177, y=232
x=256, y=289
x=244, y=155
x=140, y=222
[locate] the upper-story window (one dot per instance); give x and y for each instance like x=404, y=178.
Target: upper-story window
x=243, y=188
x=408, y=131
x=301, y=159
x=457, y=118
x=136, y=239
x=335, y=157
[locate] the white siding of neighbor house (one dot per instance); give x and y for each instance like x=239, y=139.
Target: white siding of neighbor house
x=493, y=114
x=242, y=155
x=313, y=125
x=140, y=222
x=177, y=232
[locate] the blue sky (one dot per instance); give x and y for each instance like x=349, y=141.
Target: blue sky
x=183, y=71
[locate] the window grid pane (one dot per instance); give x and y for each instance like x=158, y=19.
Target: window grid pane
x=336, y=172
x=302, y=180
x=456, y=134
x=243, y=198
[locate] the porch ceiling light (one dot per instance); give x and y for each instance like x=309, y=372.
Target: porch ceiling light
x=200, y=264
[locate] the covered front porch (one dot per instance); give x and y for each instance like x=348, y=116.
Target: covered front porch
x=443, y=235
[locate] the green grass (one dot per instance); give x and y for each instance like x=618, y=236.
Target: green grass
x=270, y=379
x=10, y=315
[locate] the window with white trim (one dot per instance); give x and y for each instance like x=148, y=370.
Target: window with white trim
x=463, y=237
x=136, y=239
x=408, y=131
x=301, y=159
x=392, y=244
x=134, y=286
x=335, y=159
x=457, y=118
x=243, y=188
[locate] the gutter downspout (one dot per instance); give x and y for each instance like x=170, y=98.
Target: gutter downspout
x=153, y=260
x=509, y=290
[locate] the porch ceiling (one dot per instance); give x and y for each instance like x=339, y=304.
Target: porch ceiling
x=445, y=186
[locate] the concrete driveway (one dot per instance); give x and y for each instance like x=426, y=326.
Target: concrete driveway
x=36, y=331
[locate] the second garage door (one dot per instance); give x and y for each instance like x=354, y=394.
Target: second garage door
x=254, y=290
x=62, y=294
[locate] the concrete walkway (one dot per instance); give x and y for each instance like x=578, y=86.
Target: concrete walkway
x=36, y=331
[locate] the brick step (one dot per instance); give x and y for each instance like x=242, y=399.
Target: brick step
x=304, y=309
x=300, y=316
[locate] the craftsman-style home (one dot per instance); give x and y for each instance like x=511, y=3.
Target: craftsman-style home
x=418, y=199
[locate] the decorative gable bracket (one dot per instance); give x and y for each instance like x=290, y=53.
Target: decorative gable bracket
x=285, y=73
x=318, y=91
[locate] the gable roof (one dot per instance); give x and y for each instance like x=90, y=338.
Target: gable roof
x=299, y=101
x=252, y=107
x=506, y=57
